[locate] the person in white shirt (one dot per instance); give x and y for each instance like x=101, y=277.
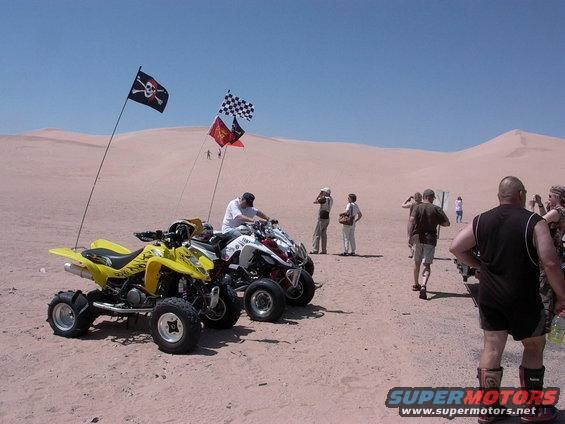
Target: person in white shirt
x=240, y=211
x=354, y=213
x=459, y=209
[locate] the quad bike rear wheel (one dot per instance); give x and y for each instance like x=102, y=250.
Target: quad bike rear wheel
x=69, y=314
x=302, y=294
x=227, y=311
x=175, y=325
x=264, y=300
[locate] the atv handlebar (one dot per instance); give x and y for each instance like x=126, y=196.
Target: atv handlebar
x=150, y=235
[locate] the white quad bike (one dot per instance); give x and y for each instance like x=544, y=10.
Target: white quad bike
x=258, y=266
x=295, y=251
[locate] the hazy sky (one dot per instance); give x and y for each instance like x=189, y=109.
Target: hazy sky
x=441, y=75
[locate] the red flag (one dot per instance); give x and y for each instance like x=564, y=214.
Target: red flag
x=220, y=133
x=236, y=143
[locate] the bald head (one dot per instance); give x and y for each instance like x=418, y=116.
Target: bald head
x=511, y=191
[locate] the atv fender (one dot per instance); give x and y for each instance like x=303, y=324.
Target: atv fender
x=154, y=266
x=99, y=277
x=207, y=264
x=105, y=244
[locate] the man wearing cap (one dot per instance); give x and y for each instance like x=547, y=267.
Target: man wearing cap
x=240, y=211
x=422, y=234
x=325, y=201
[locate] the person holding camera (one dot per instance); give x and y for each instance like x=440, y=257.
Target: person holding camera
x=554, y=214
x=410, y=203
x=325, y=201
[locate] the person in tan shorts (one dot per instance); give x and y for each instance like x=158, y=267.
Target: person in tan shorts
x=422, y=234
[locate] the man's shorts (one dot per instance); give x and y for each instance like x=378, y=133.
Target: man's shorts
x=423, y=253
x=520, y=323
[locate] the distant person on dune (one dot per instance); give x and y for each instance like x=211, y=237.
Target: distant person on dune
x=422, y=234
x=208, y=154
x=459, y=210
x=554, y=215
x=353, y=215
x=512, y=242
x=409, y=204
x=325, y=201
x=219, y=153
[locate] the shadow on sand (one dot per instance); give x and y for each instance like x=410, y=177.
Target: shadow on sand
x=136, y=331
x=124, y=331
x=358, y=256
x=211, y=339
x=293, y=313
x=441, y=295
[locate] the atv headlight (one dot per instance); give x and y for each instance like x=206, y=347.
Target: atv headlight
x=283, y=246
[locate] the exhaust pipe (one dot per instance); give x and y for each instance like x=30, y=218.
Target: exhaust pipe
x=113, y=308
x=78, y=270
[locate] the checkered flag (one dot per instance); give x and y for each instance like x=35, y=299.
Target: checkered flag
x=236, y=107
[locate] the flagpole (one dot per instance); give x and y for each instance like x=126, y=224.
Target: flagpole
x=216, y=186
x=190, y=173
x=192, y=169
x=100, y=167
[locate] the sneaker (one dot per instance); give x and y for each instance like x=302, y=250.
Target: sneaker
x=344, y=254
x=423, y=293
x=352, y=254
x=416, y=287
x=314, y=252
x=323, y=252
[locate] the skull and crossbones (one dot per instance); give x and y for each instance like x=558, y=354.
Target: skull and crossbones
x=150, y=90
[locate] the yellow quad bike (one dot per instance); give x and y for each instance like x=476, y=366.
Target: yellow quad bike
x=166, y=279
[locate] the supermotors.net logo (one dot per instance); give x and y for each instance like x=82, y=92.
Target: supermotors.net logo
x=451, y=402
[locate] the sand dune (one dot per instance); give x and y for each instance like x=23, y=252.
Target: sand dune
x=333, y=361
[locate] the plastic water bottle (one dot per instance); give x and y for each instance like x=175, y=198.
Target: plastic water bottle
x=557, y=330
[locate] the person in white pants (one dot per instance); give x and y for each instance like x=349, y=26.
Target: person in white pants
x=354, y=213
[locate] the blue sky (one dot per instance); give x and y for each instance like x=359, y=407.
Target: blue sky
x=438, y=75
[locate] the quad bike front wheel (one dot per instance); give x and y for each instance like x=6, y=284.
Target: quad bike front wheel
x=69, y=314
x=309, y=266
x=302, y=294
x=264, y=300
x=175, y=325
x=227, y=311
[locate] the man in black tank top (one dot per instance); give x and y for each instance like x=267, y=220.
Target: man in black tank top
x=512, y=242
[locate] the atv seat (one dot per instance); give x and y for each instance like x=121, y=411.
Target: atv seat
x=207, y=245
x=221, y=240
x=110, y=258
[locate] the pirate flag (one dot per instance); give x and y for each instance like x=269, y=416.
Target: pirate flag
x=149, y=92
x=236, y=130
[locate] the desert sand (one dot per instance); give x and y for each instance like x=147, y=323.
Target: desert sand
x=333, y=361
